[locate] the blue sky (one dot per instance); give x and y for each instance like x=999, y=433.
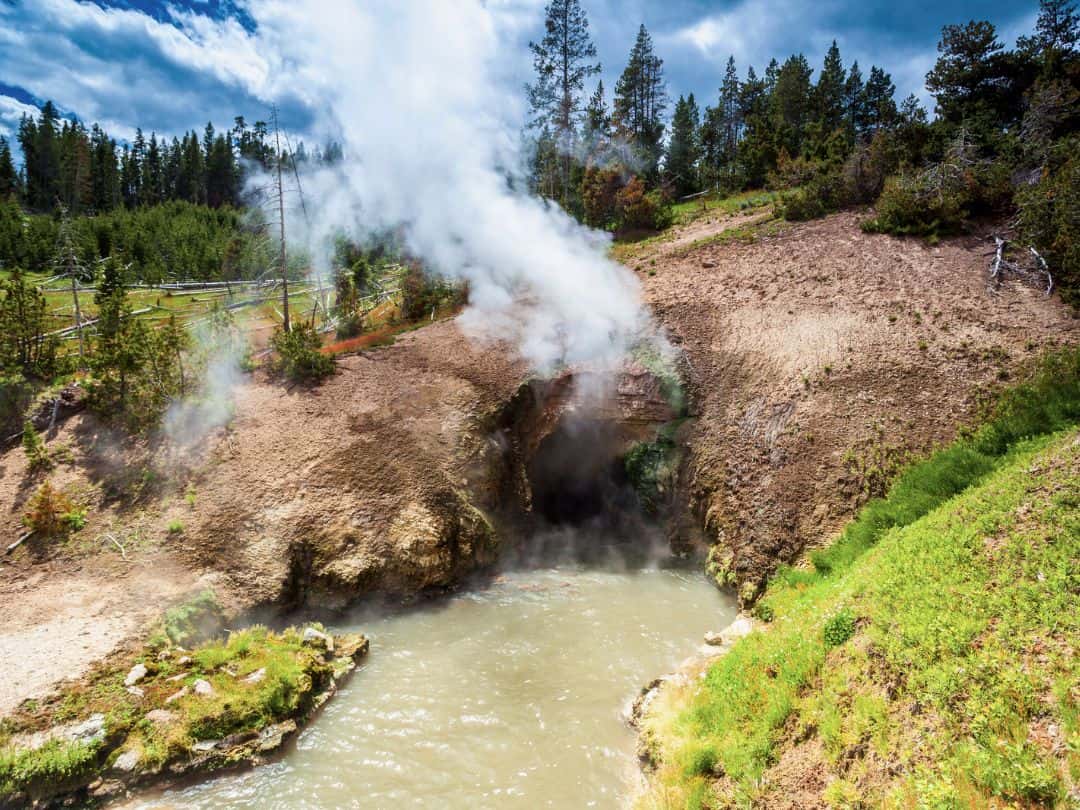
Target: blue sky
x=171, y=65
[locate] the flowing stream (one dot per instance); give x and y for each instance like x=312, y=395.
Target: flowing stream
x=515, y=695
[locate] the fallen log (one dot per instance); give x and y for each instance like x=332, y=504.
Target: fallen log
x=18, y=542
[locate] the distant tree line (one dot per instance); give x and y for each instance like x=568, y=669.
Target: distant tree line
x=87, y=172
x=1003, y=138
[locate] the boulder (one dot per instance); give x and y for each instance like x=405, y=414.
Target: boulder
x=257, y=676
x=177, y=695
x=714, y=639
x=137, y=673
x=203, y=688
x=127, y=762
x=318, y=639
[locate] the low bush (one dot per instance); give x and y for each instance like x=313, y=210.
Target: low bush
x=195, y=620
x=298, y=356
x=636, y=209
x=839, y=628
x=47, y=512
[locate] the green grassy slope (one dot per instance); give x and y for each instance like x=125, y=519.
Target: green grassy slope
x=929, y=659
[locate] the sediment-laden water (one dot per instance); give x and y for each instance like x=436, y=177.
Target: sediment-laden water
x=510, y=696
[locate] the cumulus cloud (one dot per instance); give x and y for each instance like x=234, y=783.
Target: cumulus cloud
x=11, y=112
x=124, y=68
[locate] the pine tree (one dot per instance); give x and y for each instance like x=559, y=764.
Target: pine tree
x=684, y=150
x=792, y=103
x=1057, y=34
x=640, y=101
x=830, y=91
x=878, y=103
x=597, y=119
x=152, y=174
x=23, y=325
x=563, y=60
x=9, y=179
x=854, y=112
x=731, y=120
x=965, y=79
x=120, y=346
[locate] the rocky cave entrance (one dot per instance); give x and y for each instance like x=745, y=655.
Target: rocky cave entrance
x=577, y=492
x=578, y=478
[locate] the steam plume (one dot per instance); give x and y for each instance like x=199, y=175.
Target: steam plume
x=430, y=126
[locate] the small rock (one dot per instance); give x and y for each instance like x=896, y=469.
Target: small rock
x=184, y=660
x=315, y=638
x=136, y=691
x=160, y=716
x=90, y=730
x=714, y=639
x=127, y=761
x=708, y=265
x=271, y=737
x=176, y=678
x=137, y=673
x=203, y=688
x=105, y=788
x=176, y=696
x=205, y=745
x=256, y=676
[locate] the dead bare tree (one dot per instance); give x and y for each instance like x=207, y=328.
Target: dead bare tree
x=1037, y=274
x=280, y=190
x=68, y=265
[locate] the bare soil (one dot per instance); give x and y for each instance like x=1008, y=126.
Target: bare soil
x=805, y=351
x=819, y=354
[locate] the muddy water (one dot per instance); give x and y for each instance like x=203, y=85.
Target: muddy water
x=511, y=696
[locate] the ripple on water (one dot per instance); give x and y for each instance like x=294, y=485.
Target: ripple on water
x=511, y=696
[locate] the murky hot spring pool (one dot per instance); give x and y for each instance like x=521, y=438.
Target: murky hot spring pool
x=511, y=696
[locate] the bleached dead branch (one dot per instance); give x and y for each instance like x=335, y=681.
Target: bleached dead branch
x=1036, y=276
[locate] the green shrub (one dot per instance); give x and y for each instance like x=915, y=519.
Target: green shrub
x=764, y=612
x=36, y=453
x=298, y=356
x=195, y=620
x=74, y=520
x=839, y=628
x=1049, y=220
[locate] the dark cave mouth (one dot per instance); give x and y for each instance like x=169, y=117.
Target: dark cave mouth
x=584, y=505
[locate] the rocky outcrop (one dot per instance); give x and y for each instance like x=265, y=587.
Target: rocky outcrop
x=160, y=734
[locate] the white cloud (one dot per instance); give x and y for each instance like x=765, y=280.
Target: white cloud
x=11, y=111
x=121, y=67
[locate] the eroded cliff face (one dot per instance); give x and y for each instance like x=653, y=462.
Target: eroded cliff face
x=819, y=358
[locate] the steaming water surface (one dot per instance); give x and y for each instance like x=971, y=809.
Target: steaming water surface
x=511, y=696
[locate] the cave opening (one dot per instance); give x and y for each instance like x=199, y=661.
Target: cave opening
x=584, y=505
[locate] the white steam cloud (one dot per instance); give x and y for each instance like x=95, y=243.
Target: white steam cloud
x=431, y=133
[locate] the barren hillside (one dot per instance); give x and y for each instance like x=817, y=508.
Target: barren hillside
x=816, y=356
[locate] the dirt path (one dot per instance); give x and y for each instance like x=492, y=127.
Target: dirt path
x=60, y=617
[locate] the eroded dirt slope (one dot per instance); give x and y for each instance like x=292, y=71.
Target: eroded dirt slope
x=358, y=485
x=808, y=352
x=819, y=355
